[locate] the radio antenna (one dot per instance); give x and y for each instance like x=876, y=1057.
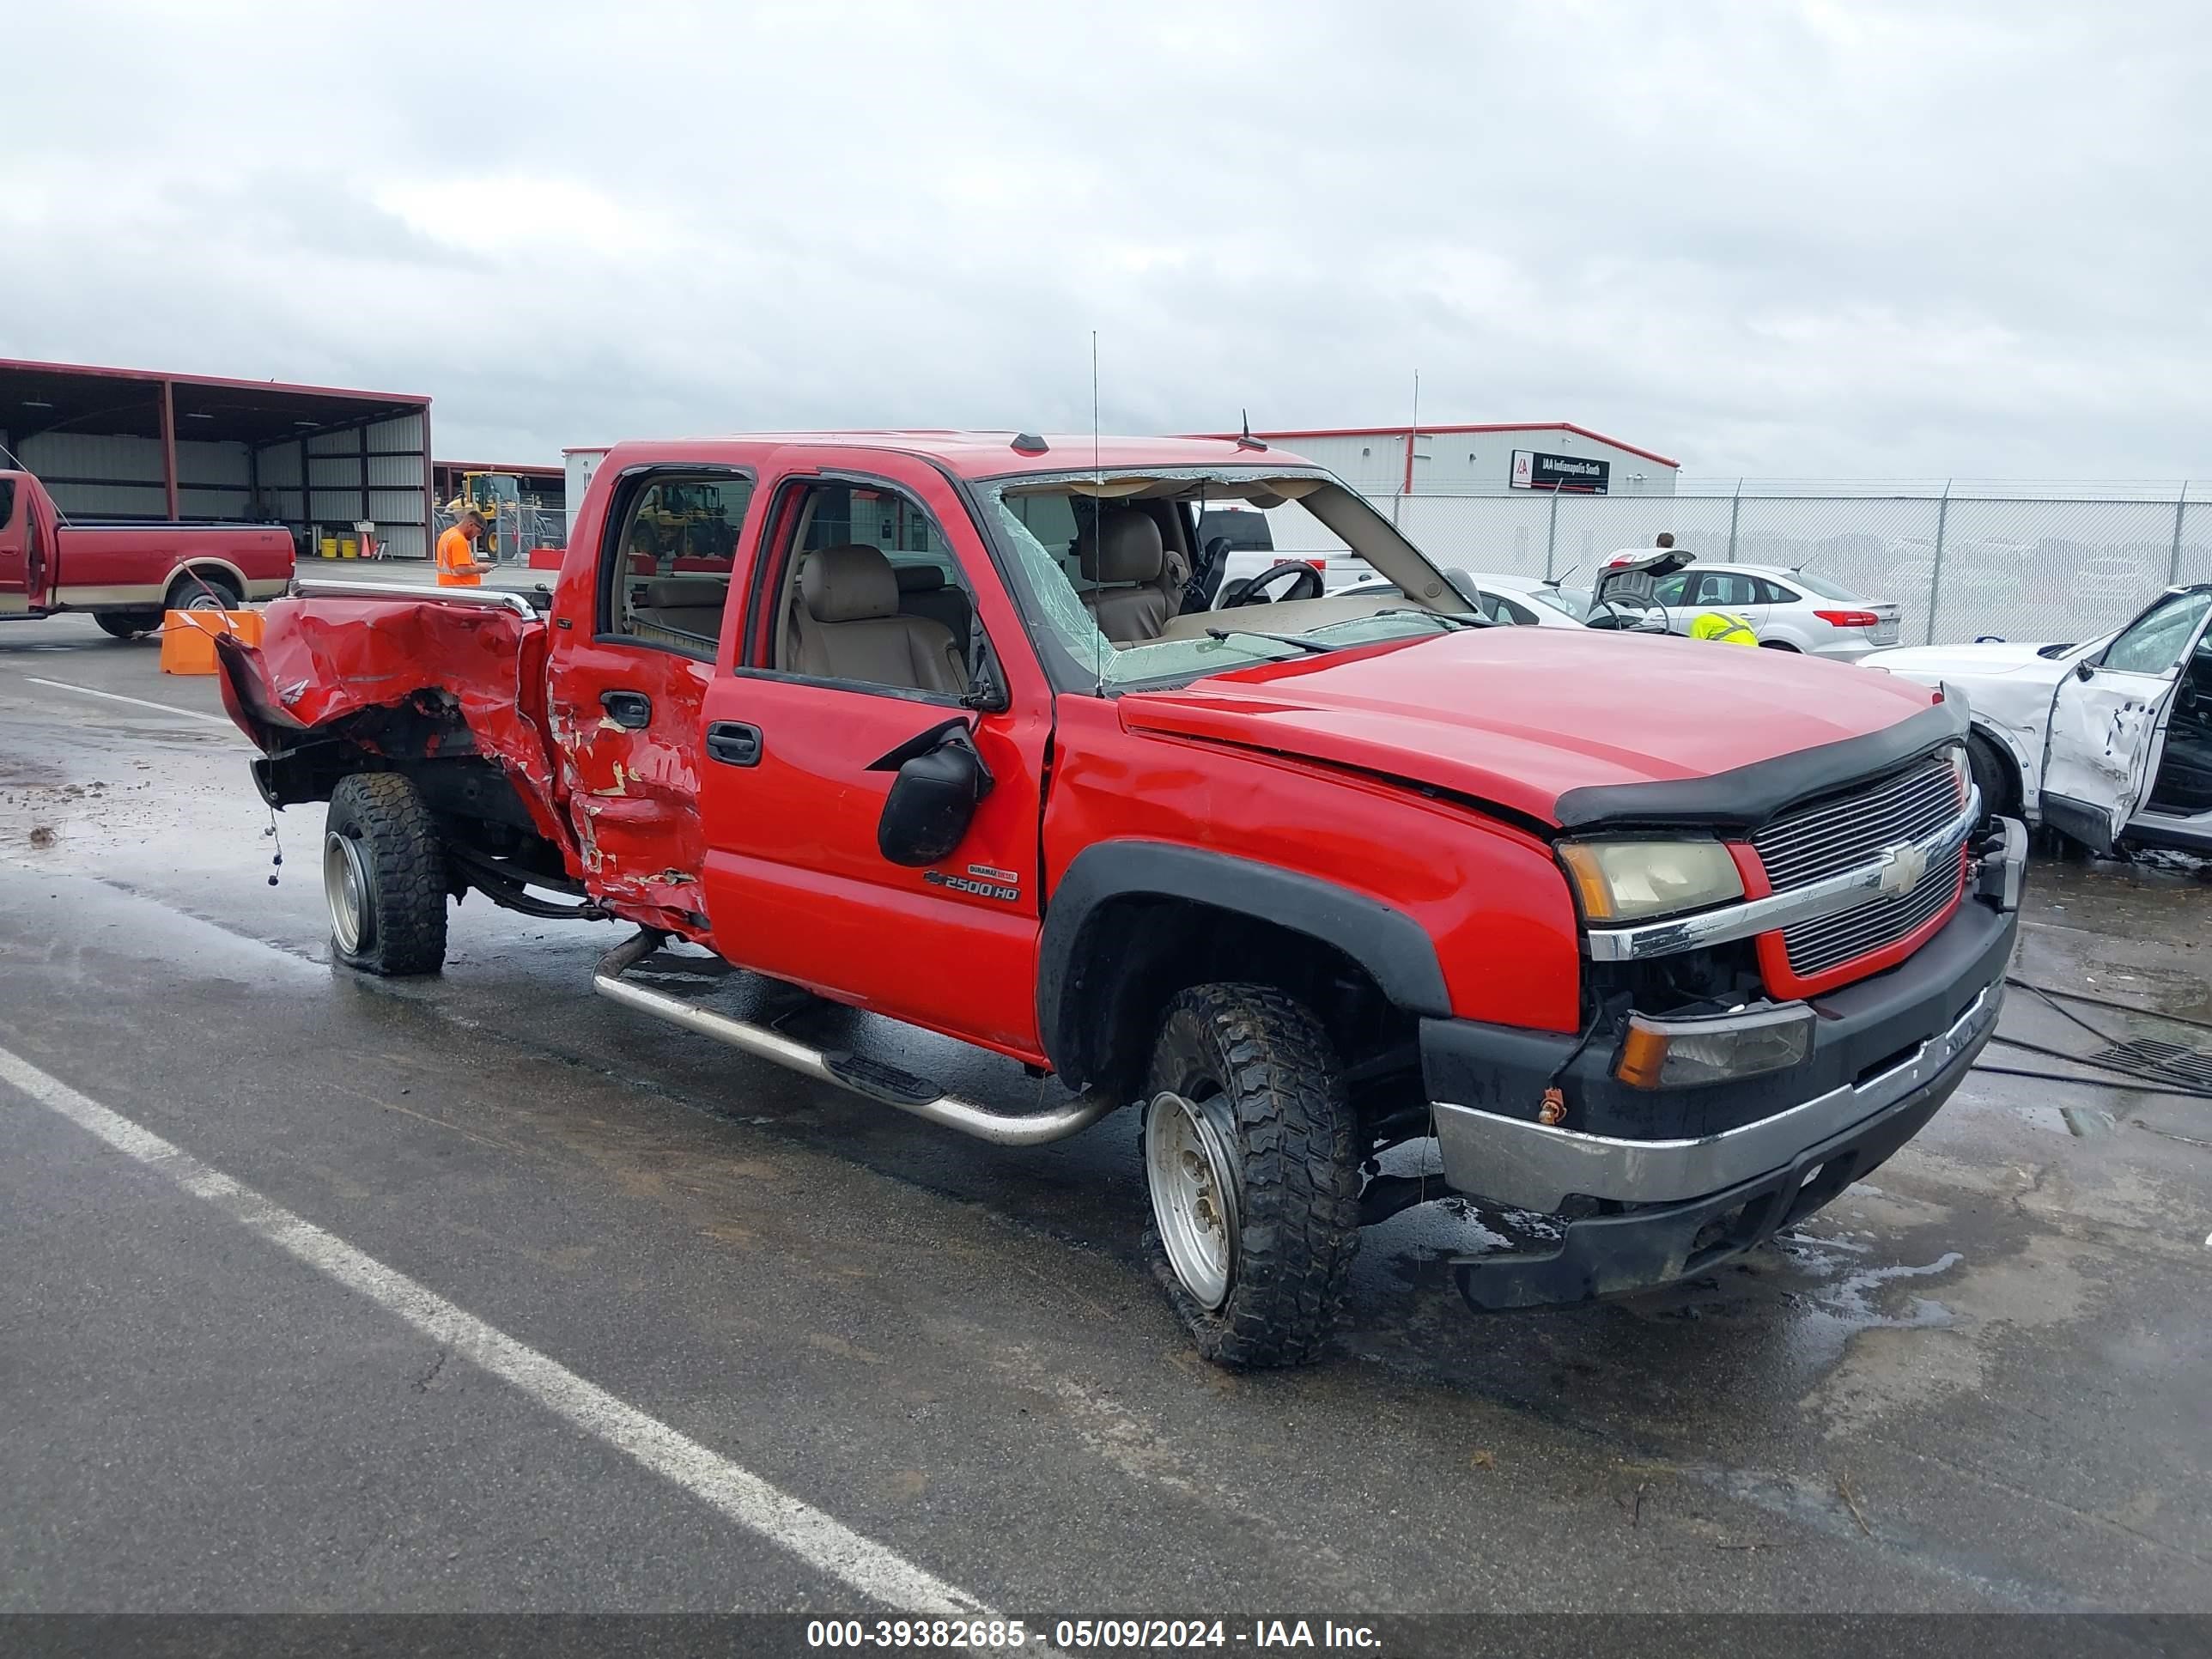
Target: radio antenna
x=1097, y=513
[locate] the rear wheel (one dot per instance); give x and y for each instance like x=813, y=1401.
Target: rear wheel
x=1252, y=1162
x=383, y=876
x=127, y=624
x=1993, y=775
x=194, y=591
x=1780, y=645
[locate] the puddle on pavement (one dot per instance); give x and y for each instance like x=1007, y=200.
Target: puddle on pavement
x=1845, y=1296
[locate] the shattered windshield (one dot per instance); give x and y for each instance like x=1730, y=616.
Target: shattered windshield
x=1112, y=581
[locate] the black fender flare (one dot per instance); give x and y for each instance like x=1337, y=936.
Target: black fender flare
x=1393, y=949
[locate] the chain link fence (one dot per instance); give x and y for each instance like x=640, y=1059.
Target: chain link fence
x=1964, y=561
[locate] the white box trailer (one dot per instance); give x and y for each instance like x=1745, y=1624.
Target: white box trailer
x=580, y=464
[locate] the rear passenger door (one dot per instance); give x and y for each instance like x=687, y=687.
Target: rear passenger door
x=627, y=698
x=829, y=679
x=1732, y=591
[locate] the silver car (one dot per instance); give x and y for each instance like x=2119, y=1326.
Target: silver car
x=1789, y=610
x=1528, y=601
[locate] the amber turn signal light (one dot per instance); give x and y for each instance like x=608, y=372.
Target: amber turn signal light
x=1673, y=1054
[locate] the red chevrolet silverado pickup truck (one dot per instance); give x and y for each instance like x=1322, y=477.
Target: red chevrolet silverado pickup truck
x=126, y=574
x=1661, y=944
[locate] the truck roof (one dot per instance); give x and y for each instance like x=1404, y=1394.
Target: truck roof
x=974, y=455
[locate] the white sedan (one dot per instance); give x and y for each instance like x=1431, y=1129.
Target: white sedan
x=1789, y=610
x=1528, y=601
x=2107, y=741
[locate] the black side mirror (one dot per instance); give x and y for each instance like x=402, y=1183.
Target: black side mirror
x=2085, y=672
x=941, y=781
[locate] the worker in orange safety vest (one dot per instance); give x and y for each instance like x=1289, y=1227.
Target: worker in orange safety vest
x=456, y=553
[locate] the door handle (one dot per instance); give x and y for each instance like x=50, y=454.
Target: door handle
x=630, y=710
x=733, y=743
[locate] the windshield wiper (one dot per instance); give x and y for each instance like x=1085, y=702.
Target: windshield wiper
x=1315, y=646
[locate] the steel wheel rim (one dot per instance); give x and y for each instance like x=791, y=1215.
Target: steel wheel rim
x=1194, y=1200
x=204, y=601
x=345, y=888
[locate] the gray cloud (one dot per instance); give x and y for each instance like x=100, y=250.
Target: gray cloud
x=1831, y=240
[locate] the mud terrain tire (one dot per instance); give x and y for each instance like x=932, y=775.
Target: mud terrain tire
x=384, y=873
x=1261, y=1072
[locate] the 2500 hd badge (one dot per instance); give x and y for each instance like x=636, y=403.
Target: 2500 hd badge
x=981, y=880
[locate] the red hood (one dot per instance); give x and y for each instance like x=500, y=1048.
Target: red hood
x=1518, y=716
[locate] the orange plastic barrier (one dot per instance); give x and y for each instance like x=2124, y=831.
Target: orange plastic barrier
x=188, y=637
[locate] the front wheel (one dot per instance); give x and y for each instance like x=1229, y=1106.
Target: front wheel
x=383, y=876
x=1252, y=1161
x=1993, y=775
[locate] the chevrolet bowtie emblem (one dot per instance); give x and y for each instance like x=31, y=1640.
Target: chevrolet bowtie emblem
x=1903, y=865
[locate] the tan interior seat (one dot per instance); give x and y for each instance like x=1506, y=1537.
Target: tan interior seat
x=1121, y=552
x=848, y=627
x=924, y=591
x=684, y=610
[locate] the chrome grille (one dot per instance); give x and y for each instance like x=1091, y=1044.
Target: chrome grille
x=1833, y=836
x=1815, y=947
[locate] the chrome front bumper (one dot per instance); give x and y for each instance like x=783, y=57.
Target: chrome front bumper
x=1526, y=1165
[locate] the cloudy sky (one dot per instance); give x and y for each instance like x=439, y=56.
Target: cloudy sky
x=1806, y=240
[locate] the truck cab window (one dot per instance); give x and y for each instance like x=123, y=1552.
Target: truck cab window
x=667, y=566
x=871, y=594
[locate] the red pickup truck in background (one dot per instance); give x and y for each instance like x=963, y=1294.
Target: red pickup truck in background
x=127, y=573
x=1661, y=946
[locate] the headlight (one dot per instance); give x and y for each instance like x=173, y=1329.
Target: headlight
x=1630, y=880
x=1961, y=767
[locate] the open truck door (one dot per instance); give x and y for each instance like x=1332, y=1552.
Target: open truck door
x=26, y=547
x=2109, y=715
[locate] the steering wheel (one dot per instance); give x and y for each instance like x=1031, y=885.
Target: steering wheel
x=1298, y=580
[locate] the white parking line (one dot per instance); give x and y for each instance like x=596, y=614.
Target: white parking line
x=815, y=1538
x=117, y=696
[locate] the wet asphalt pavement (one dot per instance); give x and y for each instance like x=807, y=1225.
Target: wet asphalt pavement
x=1982, y=1380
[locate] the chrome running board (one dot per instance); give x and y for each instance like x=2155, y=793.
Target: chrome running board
x=871, y=1079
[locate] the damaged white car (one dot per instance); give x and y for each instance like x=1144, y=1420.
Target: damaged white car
x=2107, y=741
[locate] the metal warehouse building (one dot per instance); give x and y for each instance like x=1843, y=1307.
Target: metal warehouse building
x=1486, y=460
x=118, y=443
